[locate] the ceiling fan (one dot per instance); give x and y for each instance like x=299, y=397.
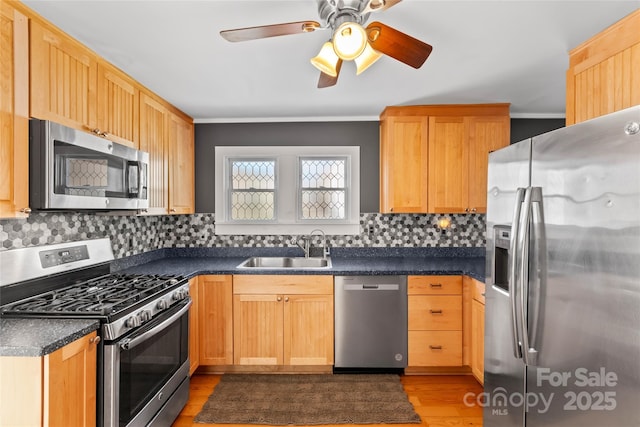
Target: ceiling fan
x=350, y=41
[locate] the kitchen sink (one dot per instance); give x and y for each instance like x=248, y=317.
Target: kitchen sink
x=295, y=263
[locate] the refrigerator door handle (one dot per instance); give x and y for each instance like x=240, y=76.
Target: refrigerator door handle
x=531, y=194
x=513, y=272
x=538, y=281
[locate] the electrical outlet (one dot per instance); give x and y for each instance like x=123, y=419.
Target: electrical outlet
x=370, y=229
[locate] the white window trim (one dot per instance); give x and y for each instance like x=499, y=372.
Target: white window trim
x=287, y=181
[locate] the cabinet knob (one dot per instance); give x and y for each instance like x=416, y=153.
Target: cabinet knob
x=391, y=210
x=466, y=209
x=95, y=340
x=104, y=134
x=286, y=299
x=473, y=209
x=279, y=299
x=172, y=210
x=25, y=210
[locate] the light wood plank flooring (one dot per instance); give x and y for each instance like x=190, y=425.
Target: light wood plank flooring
x=438, y=399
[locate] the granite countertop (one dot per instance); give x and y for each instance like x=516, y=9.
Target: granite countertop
x=192, y=262
x=39, y=337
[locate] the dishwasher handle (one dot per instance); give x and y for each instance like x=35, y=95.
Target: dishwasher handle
x=371, y=287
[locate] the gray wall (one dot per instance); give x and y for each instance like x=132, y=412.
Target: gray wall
x=364, y=134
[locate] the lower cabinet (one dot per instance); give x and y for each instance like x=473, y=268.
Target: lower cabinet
x=58, y=389
x=435, y=321
x=477, y=331
x=283, y=320
x=215, y=320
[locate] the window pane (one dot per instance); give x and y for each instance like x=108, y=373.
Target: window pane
x=252, y=205
x=253, y=175
x=322, y=173
x=323, y=204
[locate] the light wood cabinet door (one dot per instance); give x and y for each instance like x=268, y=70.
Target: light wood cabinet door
x=194, y=327
x=485, y=134
x=604, y=72
x=70, y=384
x=181, y=166
x=63, y=78
x=117, y=105
x=14, y=113
x=58, y=389
x=308, y=330
x=258, y=329
x=153, y=139
x=477, y=340
x=403, y=164
x=448, y=164
x=215, y=319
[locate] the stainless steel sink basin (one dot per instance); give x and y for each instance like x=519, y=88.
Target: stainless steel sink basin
x=296, y=263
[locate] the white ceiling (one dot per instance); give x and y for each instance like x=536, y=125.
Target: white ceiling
x=483, y=51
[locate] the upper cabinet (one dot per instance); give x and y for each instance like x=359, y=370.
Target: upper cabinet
x=181, y=165
x=14, y=113
x=604, y=72
x=63, y=78
x=117, y=105
x=433, y=159
x=72, y=86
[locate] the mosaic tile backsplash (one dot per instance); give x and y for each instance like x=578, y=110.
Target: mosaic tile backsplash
x=132, y=235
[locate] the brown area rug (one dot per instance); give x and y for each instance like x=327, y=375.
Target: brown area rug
x=308, y=400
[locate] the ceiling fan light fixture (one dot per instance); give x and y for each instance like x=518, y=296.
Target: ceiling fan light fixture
x=349, y=40
x=366, y=58
x=326, y=60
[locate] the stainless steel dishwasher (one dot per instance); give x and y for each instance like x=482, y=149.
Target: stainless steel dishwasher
x=370, y=322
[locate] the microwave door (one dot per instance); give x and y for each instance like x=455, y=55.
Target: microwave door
x=136, y=180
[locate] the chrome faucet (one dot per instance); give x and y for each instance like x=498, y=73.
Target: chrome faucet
x=304, y=243
x=325, y=248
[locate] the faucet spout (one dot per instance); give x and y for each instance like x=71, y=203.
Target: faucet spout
x=305, y=246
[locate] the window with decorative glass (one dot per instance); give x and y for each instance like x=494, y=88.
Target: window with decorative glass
x=287, y=190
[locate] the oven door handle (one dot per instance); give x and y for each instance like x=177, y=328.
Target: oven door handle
x=129, y=343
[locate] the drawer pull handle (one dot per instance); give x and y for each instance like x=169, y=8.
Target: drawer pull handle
x=435, y=347
x=435, y=311
x=435, y=285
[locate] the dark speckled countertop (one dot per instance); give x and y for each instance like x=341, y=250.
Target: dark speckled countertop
x=38, y=337
x=371, y=261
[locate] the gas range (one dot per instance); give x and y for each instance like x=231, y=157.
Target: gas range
x=122, y=302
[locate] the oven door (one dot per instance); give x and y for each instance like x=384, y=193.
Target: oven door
x=146, y=373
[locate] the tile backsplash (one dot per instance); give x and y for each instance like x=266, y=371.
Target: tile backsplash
x=131, y=235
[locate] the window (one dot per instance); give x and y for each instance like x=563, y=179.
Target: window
x=287, y=190
x=252, y=190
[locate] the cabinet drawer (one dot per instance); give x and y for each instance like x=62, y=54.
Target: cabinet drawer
x=434, y=285
x=435, y=312
x=435, y=348
x=478, y=291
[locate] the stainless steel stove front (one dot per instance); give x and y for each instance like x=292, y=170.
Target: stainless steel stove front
x=146, y=373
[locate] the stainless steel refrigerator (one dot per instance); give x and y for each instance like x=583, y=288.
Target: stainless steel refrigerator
x=562, y=327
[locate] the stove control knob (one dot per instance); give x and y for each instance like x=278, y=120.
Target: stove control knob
x=145, y=315
x=161, y=304
x=179, y=294
x=132, y=322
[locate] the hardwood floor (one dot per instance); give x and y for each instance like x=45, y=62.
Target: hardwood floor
x=438, y=399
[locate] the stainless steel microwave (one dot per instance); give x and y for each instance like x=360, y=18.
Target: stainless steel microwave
x=74, y=170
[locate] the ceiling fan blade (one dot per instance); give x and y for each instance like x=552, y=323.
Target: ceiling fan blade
x=398, y=45
x=379, y=5
x=264, y=31
x=326, y=80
